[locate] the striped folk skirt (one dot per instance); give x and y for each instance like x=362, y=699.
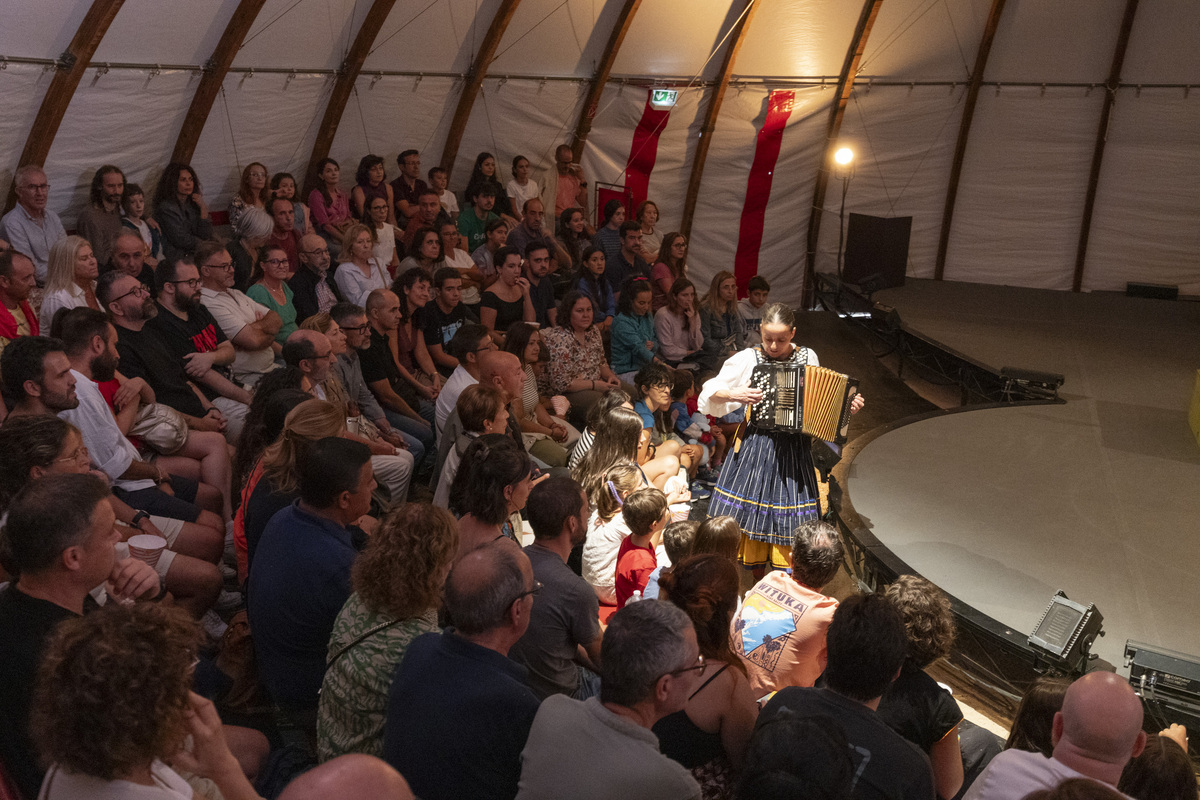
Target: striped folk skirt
x=769, y=486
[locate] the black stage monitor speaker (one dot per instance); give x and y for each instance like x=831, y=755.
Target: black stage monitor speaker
x=876, y=251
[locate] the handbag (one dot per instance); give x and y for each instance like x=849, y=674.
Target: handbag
x=160, y=427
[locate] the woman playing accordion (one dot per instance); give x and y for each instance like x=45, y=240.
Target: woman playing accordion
x=767, y=483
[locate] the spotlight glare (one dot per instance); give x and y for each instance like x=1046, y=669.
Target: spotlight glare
x=844, y=156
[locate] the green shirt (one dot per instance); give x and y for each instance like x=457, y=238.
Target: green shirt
x=287, y=312
x=354, y=693
x=474, y=228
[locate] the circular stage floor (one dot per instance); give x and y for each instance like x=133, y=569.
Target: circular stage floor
x=1003, y=507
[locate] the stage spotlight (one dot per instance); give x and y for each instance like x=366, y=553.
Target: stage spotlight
x=1065, y=634
x=844, y=156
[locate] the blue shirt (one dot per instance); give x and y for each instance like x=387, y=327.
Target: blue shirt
x=645, y=413
x=299, y=581
x=458, y=716
x=629, y=336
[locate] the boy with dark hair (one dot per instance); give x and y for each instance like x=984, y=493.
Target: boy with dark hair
x=750, y=309
x=646, y=513
x=444, y=316
x=439, y=179
x=472, y=221
x=677, y=540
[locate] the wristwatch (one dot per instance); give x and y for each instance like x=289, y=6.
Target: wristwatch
x=136, y=522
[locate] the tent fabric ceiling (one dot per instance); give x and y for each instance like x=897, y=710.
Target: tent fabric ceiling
x=1025, y=168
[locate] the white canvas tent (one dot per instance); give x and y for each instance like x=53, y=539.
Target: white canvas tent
x=1028, y=152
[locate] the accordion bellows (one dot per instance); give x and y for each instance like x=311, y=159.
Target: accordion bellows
x=808, y=399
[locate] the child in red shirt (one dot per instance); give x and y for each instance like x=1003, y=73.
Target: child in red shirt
x=646, y=513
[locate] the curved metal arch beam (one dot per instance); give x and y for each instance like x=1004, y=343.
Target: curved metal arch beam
x=475, y=76
x=1110, y=97
x=711, y=114
x=964, y=131
x=858, y=44
x=347, y=74
x=215, y=70
x=69, y=71
x=596, y=89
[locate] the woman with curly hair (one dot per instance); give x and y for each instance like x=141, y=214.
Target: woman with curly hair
x=710, y=734
x=397, y=585
x=914, y=706
x=252, y=193
x=112, y=703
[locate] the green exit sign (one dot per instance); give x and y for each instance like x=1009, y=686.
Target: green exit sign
x=664, y=97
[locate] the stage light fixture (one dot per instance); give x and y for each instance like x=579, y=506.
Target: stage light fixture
x=1064, y=636
x=843, y=156
x=1167, y=681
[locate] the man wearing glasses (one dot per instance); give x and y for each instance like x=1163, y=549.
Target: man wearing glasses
x=30, y=227
x=192, y=335
x=249, y=325
x=459, y=709
x=602, y=747
x=313, y=289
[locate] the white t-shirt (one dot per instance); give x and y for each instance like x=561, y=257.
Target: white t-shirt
x=460, y=260
x=110, y=451
x=520, y=194
x=450, y=203
x=60, y=784
x=1015, y=773
x=600, y=555
x=447, y=398
x=233, y=310
x=385, y=248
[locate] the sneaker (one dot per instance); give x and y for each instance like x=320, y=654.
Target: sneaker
x=213, y=625
x=698, y=491
x=707, y=476
x=228, y=572
x=228, y=602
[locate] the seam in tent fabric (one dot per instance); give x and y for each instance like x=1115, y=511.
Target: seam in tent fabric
x=362, y=118
x=957, y=40
x=531, y=30
x=273, y=20
x=229, y=124
x=913, y=17
x=394, y=33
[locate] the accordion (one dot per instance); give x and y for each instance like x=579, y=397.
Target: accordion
x=812, y=400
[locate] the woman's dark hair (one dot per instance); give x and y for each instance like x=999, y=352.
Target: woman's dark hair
x=517, y=160
x=280, y=177
x=706, y=588
x=564, y=222
x=776, y=314
x=1035, y=716
x=630, y=289
x=478, y=180
x=793, y=757
x=928, y=620
x=414, y=248
x=318, y=182
x=1162, y=772
x=567, y=305
x=365, y=165
x=28, y=442
x=616, y=440
x=680, y=286
x=597, y=285
x=678, y=269
x=489, y=465
x=407, y=280
x=258, y=272
x=517, y=339
x=613, y=398
x=169, y=181
x=278, y=392
x=610, y=208
x=719, y=536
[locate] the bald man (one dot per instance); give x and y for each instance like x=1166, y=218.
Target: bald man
x=459, y=710
x=1095, y=735
x=312, y=283
x=349, y=776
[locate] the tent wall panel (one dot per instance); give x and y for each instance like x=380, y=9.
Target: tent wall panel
x=41, y=29
x=432, y=37
x=1162, y=47
x=798, y=37
x=903, y=140
x=1020, y=198
x=917, y=40
x=1064, y=42
x=1145, y=226
x=563, y=39
x=126, y=117
x=195, y=29
x=21, y=89
x=393, y=114
x=514, y=117
x=662, y=41
x=267, y=117
x=303, y=35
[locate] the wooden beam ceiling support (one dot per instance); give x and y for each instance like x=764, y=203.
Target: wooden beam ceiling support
x=964, y=131
x=215, y=70
x=709, y=125
x=592, y=102
x=347, y=74
x=475, y=76
x=69, y=71
x=858, y=44
x=1110, y=97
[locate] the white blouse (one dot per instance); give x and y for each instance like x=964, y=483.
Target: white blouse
x=733, y=375
x=355, y=286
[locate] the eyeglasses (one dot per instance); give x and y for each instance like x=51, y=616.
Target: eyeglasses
x=228, y=265
x=356, y=328
x=537, y=587
x=79, y=455
x=37, y=187
x=324, y=251
x=141, y=290
x=698, y=666
x=276, y=262
x=191, y=282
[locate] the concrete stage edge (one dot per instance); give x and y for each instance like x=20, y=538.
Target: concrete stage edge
x=1099, y=497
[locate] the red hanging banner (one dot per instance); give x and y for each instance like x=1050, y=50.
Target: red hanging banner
x=644, y=152
x=758, y=188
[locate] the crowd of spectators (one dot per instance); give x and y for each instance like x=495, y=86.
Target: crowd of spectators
x=290, y=464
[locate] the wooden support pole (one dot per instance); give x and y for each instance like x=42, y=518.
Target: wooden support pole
x=596, y=89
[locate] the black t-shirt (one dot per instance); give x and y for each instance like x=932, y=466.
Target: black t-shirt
x=886, y=766
x=507, y=312
x=542, y=295
x=440, y=326
x=263, y=504
x=144, y=355
x=378, y=365
x=915, y=707
x=199, y=333
x=25, y=625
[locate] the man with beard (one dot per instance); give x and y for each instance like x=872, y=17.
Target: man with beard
x=313, y=289
x=16, y=283
x=249, y=325
x=49, y=376
x=129, y=257
x=194, y=339
x=565, y=616
x=100, y=221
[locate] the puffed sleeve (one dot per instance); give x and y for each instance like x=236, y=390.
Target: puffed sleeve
x=735, y=373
